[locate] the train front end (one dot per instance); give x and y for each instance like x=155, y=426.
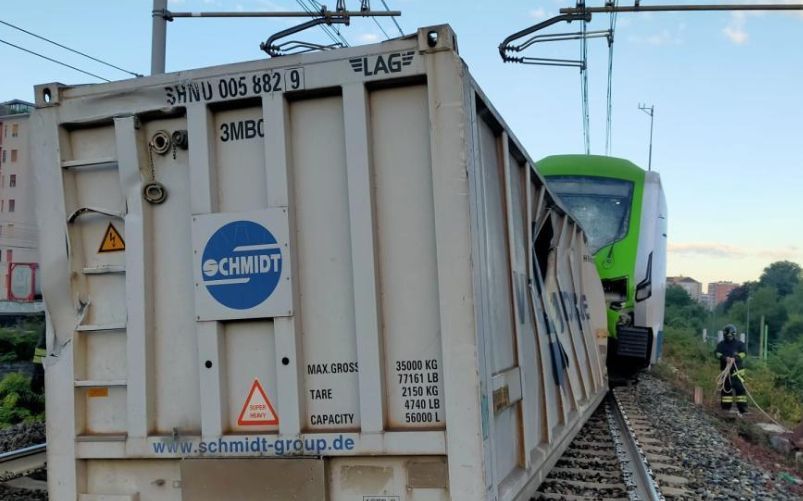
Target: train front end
x=623, y=210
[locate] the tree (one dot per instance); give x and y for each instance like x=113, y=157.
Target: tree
x=783, y=276
x=740, y=293
x=787, y=364
x=792, y=330
x=764, y=302
x=794, y=301
x=682, y=311
x=677, y=296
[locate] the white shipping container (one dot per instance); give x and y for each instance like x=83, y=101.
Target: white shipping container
x=327, y=276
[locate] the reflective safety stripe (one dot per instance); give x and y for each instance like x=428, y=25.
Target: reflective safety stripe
x=727, y=399
x=742, y=354
x=741, y=399
x=718, y=354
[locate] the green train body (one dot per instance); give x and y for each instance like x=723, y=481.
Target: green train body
x=622, y=208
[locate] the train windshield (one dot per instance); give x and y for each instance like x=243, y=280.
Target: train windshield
x=600, y=204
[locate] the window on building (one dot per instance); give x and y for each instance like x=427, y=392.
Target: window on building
x=4, y=156
x=13, y=155
x=9, y=255
x=2, y=205
x=2, y=181
x=15, y=129
x=11, y=205
x=12, y=180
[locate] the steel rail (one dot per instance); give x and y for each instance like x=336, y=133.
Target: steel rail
x=636, y=465
x=23, y=460
x=680, y=8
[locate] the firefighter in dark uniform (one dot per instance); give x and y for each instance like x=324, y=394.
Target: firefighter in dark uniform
x=729, y=349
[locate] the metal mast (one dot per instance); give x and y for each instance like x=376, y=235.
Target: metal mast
x=651, y=112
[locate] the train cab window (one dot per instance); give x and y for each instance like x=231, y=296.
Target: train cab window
x=601, y=205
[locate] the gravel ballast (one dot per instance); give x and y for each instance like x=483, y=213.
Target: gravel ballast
x=21, y=435
x=708, y=458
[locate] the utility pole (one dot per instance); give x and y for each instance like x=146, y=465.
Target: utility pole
x=651, y=112
x=159, y=37
x=747, y=330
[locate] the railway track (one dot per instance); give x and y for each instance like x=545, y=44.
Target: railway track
x=616, y=456
x=15, y=468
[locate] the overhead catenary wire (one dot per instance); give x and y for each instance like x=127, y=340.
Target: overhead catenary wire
x=326, y=29
x=366, y=5
x=381, y=28
x=584, y=90
x=609, y=112
x=401, y=32
x=335, y=32
x=40, y=37
x=55, y=61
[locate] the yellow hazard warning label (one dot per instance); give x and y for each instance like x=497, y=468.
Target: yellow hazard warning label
x=112, y=240
x=257, y=409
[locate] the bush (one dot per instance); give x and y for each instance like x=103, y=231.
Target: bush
x=696, y=363
x=17, y=402
x=18, y=344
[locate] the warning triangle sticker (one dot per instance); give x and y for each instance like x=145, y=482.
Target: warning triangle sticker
x=257, y=410
x=112, y=240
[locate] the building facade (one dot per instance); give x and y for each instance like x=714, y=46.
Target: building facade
x=719, y=291
x=692, y=286
x=18, y=228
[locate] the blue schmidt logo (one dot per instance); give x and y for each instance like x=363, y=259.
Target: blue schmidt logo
x=242, y=264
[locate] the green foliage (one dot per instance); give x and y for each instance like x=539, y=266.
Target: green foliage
x=786, y=362
x=765, y=302
x=781, y=276
x=740, y=293
x=686, y=351
x=697, y=366
x=17, y=343
x=777, y=383
x=17, y=402
x=777, y=400
x=794, y=301
x=792, y=330
x=682, y=311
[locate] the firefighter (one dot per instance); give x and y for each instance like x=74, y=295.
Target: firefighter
x=38, y=379
x=731, y=351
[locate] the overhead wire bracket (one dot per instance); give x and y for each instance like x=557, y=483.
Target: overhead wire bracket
x=339, y=16
x=507, y=47
x=274, y=49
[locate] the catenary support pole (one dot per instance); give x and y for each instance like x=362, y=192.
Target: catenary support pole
x=159, y=37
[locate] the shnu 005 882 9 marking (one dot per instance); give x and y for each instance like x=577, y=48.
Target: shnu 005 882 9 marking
x=235, y=86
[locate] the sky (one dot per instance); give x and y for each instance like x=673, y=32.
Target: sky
x=726, y=88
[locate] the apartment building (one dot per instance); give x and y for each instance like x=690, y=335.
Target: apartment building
x=719, y=291
x=692, y=286
x=18, y=233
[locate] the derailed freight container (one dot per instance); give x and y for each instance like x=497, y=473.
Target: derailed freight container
x=328, y=276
